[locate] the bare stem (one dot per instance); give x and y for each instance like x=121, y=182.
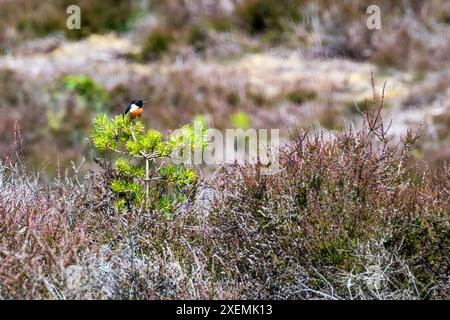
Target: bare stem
x=147, y=179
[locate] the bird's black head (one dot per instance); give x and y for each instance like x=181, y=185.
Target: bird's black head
x=139, y=103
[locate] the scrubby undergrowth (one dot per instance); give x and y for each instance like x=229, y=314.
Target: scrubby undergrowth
x=351, y=217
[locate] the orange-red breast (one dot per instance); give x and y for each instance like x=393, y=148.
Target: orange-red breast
x=135, y=109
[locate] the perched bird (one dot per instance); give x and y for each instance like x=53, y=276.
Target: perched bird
x=134, y=109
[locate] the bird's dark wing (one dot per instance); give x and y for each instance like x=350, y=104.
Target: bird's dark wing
x=127, y=110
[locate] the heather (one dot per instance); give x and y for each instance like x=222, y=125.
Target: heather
x=347, y=217
x=93, y=206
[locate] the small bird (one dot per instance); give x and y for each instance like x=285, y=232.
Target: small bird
x=134, y=109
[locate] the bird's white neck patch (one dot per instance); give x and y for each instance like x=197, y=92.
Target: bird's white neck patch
x=133, y=107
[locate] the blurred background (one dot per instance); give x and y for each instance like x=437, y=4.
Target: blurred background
x=235, y=63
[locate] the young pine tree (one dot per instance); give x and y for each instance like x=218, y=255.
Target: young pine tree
x=145, y=173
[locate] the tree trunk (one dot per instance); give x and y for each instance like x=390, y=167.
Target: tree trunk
x=147, y=180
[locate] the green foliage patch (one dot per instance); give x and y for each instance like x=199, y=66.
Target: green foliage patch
x=148, y=172
x=156, y=43
x=240, y=120
x=92, y=94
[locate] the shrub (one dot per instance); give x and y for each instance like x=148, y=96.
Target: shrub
x=300, y=96
x=33, y=18
x=161, y=185
x=156, y=44
x=22, y=104
x=104, y=16
x=92, y=93
x=311, y=229
x=198, y=37
x=259, y=16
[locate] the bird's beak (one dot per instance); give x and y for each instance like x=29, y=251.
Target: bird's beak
x=144, y=102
